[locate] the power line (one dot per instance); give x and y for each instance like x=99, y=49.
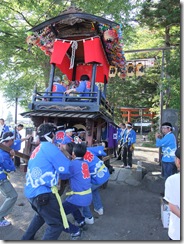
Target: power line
x=149, y=49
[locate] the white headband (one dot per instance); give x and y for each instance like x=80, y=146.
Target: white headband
x=47, y=137
x=7, y=138
x=166, y=126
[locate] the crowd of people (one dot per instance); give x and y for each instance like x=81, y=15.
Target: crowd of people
x=83, y=88
x=85, y=172
x=48, y=165
x=126, y=137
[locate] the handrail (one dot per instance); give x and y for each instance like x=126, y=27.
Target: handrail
x=95, y=98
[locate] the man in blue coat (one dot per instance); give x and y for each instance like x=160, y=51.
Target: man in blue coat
x=46, y=165
x=128, y=140
x=167, y=142
x=58, y=86
x=84, y=86
x=99, y=175
x=6, y=188
x=3, y=127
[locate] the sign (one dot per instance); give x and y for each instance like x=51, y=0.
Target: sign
x=140, y=112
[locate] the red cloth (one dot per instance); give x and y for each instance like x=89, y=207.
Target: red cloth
x=60, y=49
x=94, y=52
x=64, y=67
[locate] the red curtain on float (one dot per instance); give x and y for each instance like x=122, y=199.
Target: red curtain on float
x=64, y=67
x=60, y=58
x=59, y=50
x=94, y=52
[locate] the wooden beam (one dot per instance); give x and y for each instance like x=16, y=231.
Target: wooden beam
x=17, y=154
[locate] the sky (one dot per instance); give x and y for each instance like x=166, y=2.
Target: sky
x=4, y=110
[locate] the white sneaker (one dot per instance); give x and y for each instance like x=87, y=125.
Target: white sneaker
x=99, y=211
x=89, y=221
x=127, y=167
x=75, y=236
x=4, y=223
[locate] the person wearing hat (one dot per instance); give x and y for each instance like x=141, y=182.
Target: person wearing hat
x=128, y=140
x=172, y=196
x=58, y=86
x=47, y=164
x=68, y=136
x=6, y=188
x=167, y=142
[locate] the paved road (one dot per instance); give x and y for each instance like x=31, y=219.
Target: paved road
x=131, y=206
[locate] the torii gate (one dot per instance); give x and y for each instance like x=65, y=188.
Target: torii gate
x=128, y=113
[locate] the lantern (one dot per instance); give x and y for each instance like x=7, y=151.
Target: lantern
x=112, y=71
x=130, y=70
x=139, y=70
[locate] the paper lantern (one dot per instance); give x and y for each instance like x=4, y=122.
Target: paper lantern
x=112, y=71
x=130, y=70
x=139, y=70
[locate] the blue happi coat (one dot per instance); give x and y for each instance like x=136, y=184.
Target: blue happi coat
x=57, y=87
x=85, y=86
x=129, y=137
x=6, y=164
x=45, y=166
x=168, y=144
x=98, y=171
x=16, y=145
x=80, y=182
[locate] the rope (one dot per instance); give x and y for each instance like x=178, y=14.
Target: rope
x=100, y=169
x=79, y=192
x=83, y=39
x=63, y=215
x=8, y=176
x=74, y=46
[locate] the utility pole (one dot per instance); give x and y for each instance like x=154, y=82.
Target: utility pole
x=161, y=102
x=16, y=105
x=161, y=90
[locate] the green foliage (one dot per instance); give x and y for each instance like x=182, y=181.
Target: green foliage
x=160, y=13
x=151, y=136
x=145, y=24
x=148, y=144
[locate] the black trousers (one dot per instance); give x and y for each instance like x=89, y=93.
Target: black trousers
x=127, y=152
x=17, y=161
x=119, y=153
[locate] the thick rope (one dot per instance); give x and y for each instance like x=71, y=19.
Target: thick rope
x=74, y=46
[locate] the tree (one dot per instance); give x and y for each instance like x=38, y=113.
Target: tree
x=30, y=65
x=149, y=26
x=159, y=16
